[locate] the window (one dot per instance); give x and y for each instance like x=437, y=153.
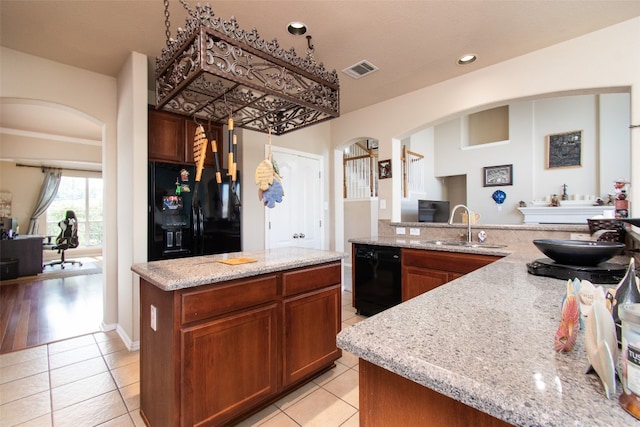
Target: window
x=83, y=196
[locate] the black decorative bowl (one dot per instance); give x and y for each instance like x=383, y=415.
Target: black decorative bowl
x=632, y=221
x=578, y=252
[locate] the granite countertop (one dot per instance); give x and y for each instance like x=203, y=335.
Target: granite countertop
x=423, y=243
x=486, y=340
x=170, y=275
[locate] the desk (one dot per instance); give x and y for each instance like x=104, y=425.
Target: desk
x=27, y=250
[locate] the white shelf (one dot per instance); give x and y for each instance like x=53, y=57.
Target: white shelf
x=562, y=214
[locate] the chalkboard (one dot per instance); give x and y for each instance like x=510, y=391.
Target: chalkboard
x=564, y=150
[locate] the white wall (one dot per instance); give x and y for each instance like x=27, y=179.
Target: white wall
x=612, y=140
x=530, y=123
x=559, y=115
x=361, y=220
x=24, y=185
x=132, y=192
x=602, y=59
x=422, y=142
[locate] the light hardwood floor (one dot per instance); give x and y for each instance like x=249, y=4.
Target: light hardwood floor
x=53, y=306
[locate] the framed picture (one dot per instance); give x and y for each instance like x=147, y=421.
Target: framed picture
x=564, y=150
x=384, y=169
x=498, y=175
x=372, y=144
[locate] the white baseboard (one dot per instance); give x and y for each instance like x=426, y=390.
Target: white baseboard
x=108, y=327
x=128, y=342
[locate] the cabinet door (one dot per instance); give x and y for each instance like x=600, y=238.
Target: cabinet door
x=229, y=365
x=418, y=280
x=311, y=323
x=215, y=134
x=166, y=137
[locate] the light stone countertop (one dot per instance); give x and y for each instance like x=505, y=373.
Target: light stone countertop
x=486, y=340
x=170, y=275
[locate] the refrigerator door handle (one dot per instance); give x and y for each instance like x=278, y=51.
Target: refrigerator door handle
x=200, y=230
x=197, y=229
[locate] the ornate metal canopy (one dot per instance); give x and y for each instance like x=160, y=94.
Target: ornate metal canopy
x=215, y=70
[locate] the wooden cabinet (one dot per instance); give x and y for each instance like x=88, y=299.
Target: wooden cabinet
x=311, y=320
x=171, y=138
x=418, y=280
x=229, y=364
x=387, y=399
x=424, y=270
x=222, y=351
x=166, y=137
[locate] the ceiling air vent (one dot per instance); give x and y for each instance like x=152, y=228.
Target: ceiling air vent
x=360, y=69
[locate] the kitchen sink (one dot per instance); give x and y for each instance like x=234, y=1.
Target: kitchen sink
x=461, y=243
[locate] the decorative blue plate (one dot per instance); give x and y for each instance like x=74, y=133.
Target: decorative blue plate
x=499, y=196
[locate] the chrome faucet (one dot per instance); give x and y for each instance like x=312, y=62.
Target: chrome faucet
x=468, y=219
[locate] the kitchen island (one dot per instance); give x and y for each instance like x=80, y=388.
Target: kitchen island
x=222, y=336
x=477, y=351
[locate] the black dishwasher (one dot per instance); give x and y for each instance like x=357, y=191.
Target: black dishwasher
x=377, y=281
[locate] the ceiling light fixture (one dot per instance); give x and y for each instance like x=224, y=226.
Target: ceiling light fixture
x=466, y=59
x=296, y=28
x=214, y=70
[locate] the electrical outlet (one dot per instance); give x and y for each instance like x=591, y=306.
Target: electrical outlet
x=154, y=317
x=414, y=231
x=401, y=230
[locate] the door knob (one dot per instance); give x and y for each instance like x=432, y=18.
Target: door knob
x=302, y=235
x=295, y=236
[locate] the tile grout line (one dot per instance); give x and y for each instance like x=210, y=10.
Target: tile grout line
x=124, y=402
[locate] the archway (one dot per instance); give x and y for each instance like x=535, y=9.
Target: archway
x=44, y=133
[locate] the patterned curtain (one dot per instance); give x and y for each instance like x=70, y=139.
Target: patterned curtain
x=50, y=184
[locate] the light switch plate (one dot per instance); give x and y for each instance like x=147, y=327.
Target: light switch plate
x=154, y=317
x=383, y=204
x=401, y=230
x=414, y=231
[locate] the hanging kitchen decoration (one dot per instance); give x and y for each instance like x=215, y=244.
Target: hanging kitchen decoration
x=199, y=151
x=269, y=183
x=499, y=196
x=212, y=65
x=216, y=158
x=233, y=151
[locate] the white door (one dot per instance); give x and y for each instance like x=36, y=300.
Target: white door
x=297, y=220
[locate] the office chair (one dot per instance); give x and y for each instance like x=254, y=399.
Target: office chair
x=67, y=239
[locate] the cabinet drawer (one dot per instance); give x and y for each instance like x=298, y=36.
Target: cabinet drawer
x=216, y=300
x=454, y=262
x=307, y=279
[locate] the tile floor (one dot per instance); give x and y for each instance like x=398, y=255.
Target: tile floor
x=94, y=380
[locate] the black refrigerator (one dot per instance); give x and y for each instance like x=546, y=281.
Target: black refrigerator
x=188, y=218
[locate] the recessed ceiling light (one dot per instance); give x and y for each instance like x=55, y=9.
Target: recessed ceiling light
x=466, y=59
x=296, y=28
